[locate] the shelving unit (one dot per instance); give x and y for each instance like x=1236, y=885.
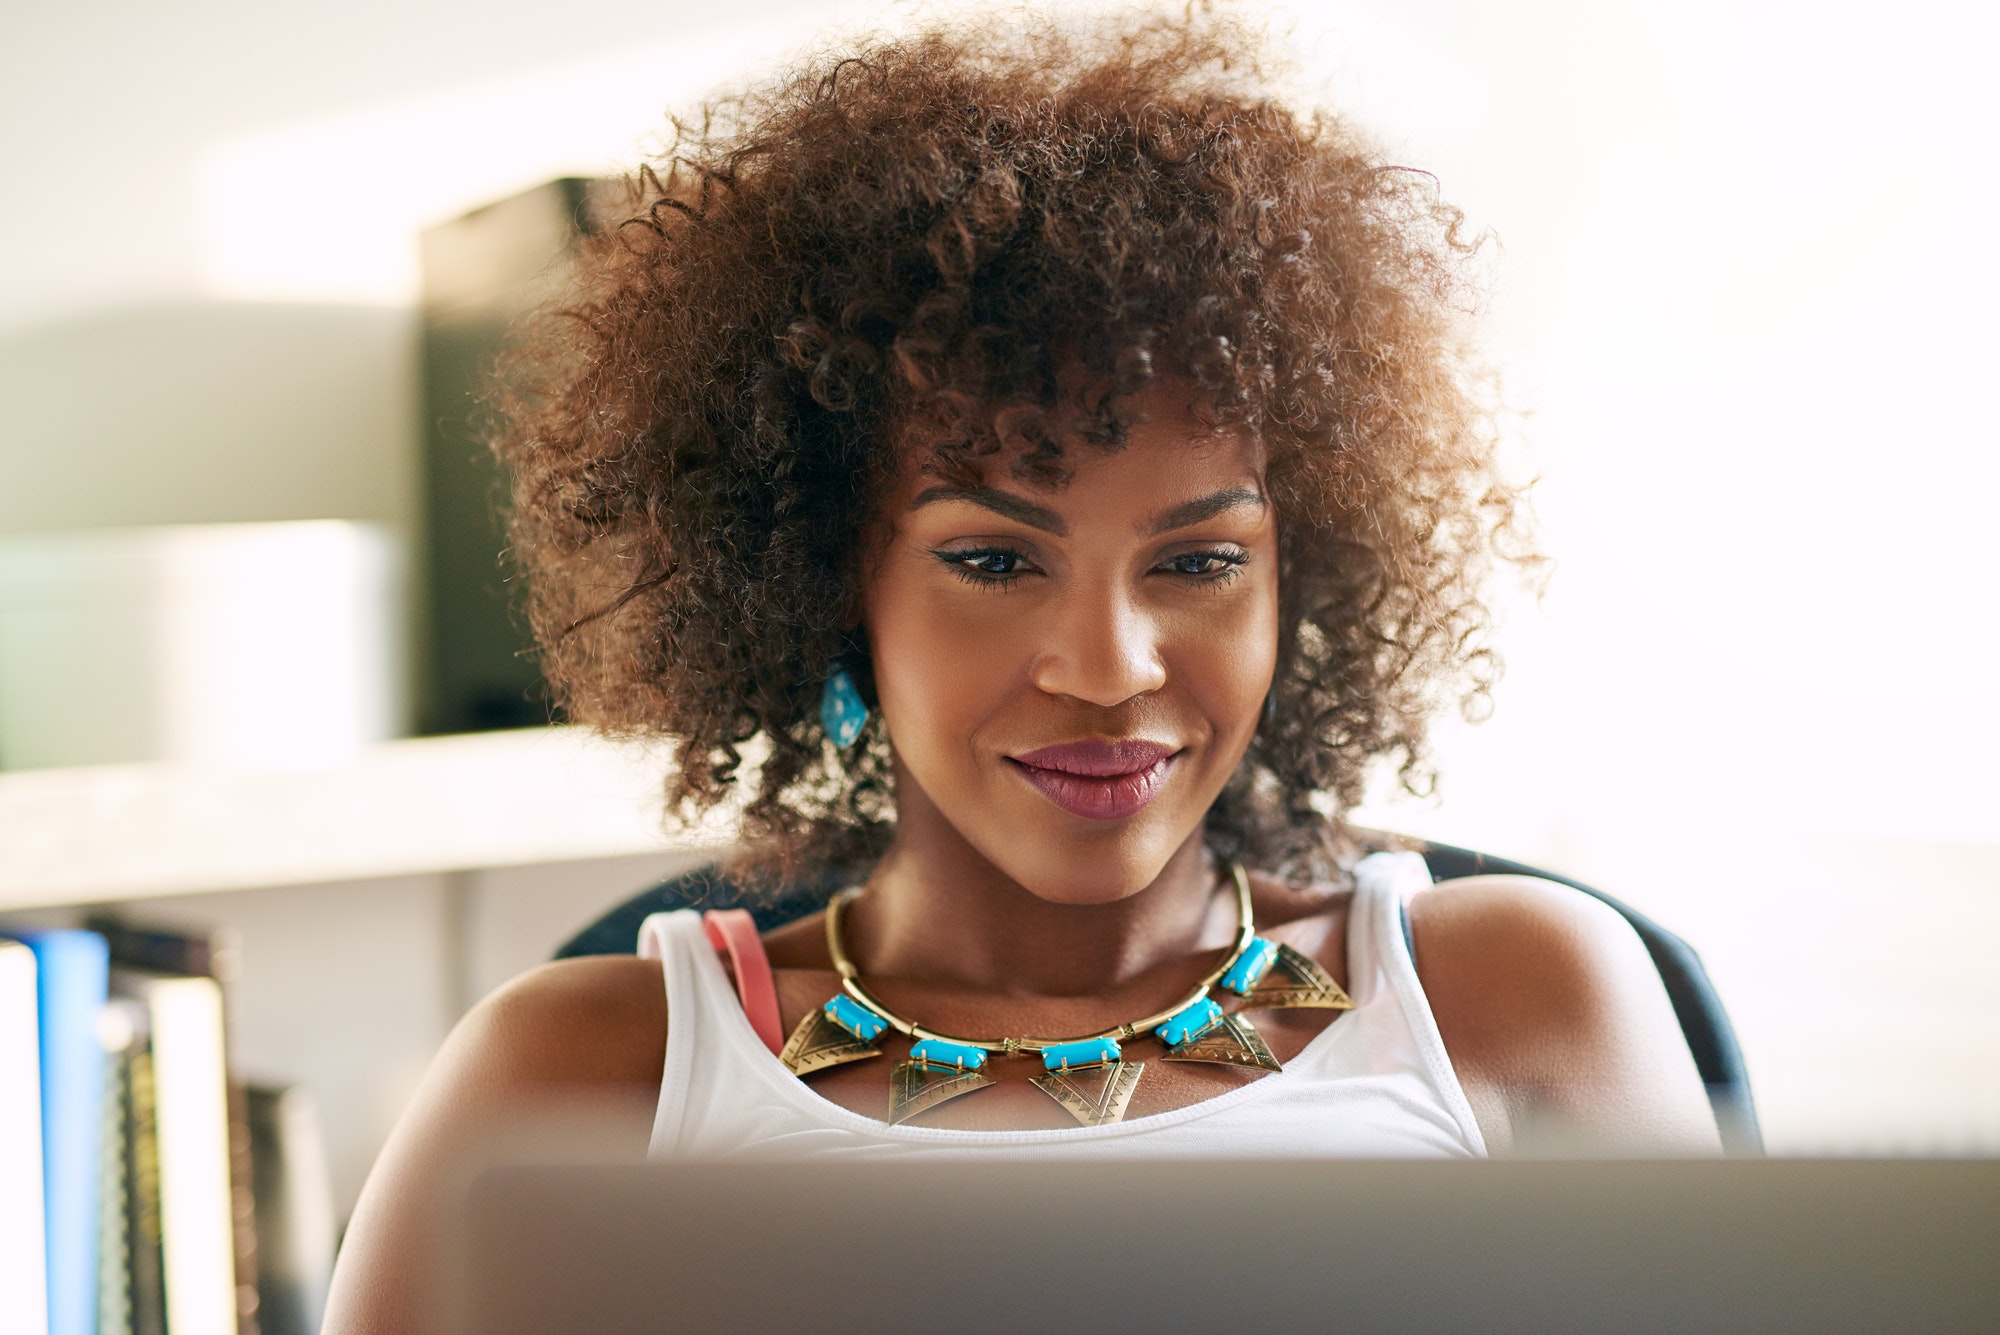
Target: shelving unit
x=425, y=805
x=373, y=901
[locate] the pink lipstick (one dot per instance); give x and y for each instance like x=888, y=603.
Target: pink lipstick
x=1098, y=779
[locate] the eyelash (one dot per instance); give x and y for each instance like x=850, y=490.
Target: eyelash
x=1231, y=559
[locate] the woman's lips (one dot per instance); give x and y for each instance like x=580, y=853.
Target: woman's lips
x=1098, y=780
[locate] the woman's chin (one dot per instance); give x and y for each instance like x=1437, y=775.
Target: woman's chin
x=1091, y=866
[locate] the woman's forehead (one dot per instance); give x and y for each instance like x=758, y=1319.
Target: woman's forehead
x=1171, y=442
x=1157, y=483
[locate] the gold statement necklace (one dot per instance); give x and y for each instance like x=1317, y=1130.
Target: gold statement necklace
x=1087, y=1075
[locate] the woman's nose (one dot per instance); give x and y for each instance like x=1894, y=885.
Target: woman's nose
x=1102, y=650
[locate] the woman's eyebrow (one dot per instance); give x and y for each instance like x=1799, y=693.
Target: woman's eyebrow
x=1000, y=503
x=1207, y=507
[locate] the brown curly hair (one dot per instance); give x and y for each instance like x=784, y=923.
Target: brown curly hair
x=931, y=229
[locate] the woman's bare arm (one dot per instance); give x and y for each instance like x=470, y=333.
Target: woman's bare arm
x=1557, y=1022
x=565, y=1030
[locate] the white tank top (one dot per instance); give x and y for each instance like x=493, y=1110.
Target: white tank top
x=1375, y=1083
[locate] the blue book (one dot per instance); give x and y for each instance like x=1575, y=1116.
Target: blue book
x=72, y=972
x=24, y=1271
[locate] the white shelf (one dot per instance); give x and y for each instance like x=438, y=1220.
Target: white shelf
x=407, y=807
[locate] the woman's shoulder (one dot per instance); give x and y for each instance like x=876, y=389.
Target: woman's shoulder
x=1520, y=933
x=1552, y=1010
x=593, y=1020
x=1517, y=963
x=589, y=1029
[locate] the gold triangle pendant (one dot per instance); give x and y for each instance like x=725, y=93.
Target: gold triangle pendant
x=818, y=1043
x=916, y=1087
x=1093, y=1095
x=1296, y=982
x=1232, y=1042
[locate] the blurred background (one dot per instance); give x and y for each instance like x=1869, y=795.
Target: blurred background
x=257, y=671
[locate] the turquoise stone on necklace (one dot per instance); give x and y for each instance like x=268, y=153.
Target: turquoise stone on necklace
x=855, y=1018
x=1084, y=1052
x=938, y=1052
x=1251, y=966
x=1190, y=1023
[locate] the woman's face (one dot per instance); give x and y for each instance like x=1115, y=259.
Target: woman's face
x=1069, y=676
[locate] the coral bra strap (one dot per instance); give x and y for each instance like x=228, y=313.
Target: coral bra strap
x=735, y=931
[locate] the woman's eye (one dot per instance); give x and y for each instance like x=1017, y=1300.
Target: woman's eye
x=992, y=563
x=1205, y=565
x=985, y=565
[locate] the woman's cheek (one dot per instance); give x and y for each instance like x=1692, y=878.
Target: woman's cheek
x=1228, y=670
x=941, y=666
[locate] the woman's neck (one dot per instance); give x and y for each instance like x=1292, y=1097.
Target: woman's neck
x=938, y=911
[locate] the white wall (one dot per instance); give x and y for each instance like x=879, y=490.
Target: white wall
x=196, y=411
x=209, y=221
x=107, y=110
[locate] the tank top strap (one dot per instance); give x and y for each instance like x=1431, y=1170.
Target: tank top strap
x=1382, y=977
x=701, y=1005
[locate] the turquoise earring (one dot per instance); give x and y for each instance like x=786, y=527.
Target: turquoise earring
x=841, y=710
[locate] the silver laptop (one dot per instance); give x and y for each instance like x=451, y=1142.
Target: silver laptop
x=1768, y=1246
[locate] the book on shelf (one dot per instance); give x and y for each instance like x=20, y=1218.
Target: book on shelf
x=140, y=1183
x=70, y=978
x=189, y=1212
x=213, y=954
x=132, y=1286
x=294, y=1217
x=23, y=1257
x=190, y=1129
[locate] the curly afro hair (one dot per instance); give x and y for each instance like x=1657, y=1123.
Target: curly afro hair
x=937, y=229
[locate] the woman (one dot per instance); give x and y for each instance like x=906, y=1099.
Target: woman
x=1039, y=474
